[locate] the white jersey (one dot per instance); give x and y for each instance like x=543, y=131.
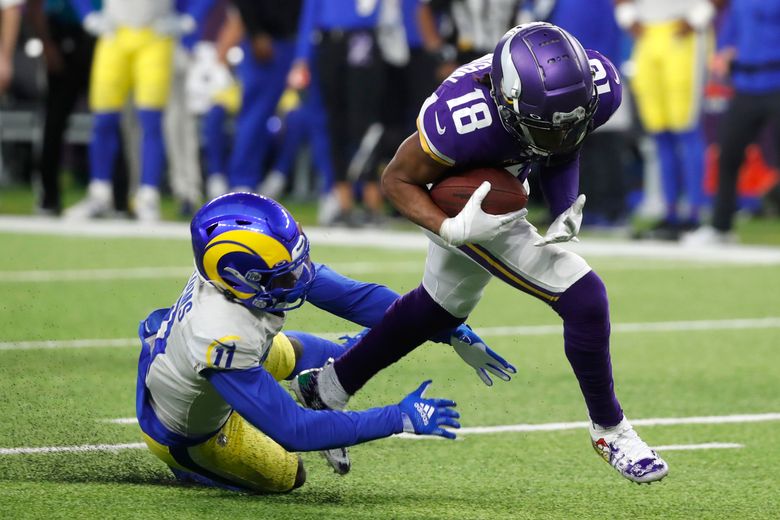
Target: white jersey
x=204, y=330
x=137, y=13
x=654, y=11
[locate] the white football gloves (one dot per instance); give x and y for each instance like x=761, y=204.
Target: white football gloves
x=474, y=225
x=566, y=226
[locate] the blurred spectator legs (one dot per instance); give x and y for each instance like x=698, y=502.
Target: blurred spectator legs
x=181, y=140
x=307, y=122
x=746, y=117
x=216, y=142
x=141, y=60
x=351, y=79
x=263, y=83
x=67, y=80
x=668, y=86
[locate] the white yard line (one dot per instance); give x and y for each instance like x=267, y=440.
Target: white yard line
x=579, y=425
x=477, y=430
x=86, y=448
x=399, y=240
x=150, y=273
x=704, y=446
x=73, y=449
x=182, y=272
x=530, y=330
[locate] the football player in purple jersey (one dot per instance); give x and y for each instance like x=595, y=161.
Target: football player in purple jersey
x=532, y=102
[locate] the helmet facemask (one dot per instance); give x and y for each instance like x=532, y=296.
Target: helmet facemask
x=563, y=134
x=277, y=289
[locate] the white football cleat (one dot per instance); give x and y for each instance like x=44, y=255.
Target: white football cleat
x=708, y=236
x=273, y=185
x=97, y=203
x=216, y=185
x=328, y=209
x=622, y=448
x=146, y=204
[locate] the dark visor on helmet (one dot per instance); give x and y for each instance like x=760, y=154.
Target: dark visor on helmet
x=563, y=134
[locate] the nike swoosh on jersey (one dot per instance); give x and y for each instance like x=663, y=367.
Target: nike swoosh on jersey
x=439, y=128
x=232, y=345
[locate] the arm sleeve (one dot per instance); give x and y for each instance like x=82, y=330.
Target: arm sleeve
x=306, y=26
x=260, y=400
x=560, y=184
x=727, y=36
x=359, y=302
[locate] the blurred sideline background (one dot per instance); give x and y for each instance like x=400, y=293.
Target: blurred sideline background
x=325, y=173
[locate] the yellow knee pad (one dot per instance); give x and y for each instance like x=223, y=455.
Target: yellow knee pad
x=281, y=358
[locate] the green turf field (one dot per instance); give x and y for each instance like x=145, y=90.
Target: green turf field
x=63, y=396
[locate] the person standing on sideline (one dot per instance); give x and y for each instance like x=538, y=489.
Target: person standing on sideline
x=134, y=53
x=350, y=70
x=748, y=52
x=269, y=29
x=671, y=44
x=67, y=51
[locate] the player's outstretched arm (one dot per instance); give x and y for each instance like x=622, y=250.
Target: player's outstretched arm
x=259, y=399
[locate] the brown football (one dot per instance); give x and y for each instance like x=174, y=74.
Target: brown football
x=506, y=191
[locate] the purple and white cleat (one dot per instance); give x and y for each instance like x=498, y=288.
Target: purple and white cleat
x=622, y=448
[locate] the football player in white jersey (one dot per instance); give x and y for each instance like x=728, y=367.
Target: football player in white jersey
x=208, y=401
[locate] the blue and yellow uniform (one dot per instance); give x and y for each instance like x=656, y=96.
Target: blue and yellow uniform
x=670, y=56
x=134, y=54
x=263, y=79
x=208, y=401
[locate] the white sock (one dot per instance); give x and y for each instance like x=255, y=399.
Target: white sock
x=331, y=391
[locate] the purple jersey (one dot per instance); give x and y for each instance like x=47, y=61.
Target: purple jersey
x=459, y=123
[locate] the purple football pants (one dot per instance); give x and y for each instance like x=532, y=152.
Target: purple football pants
x=414, y=317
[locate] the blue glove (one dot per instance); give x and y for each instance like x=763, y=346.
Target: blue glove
x=473, y=350
x=427, y=416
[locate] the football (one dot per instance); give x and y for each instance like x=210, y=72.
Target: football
x=506, y=191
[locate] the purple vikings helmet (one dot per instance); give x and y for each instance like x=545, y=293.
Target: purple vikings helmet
x=543, y=87
x=252, y=248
